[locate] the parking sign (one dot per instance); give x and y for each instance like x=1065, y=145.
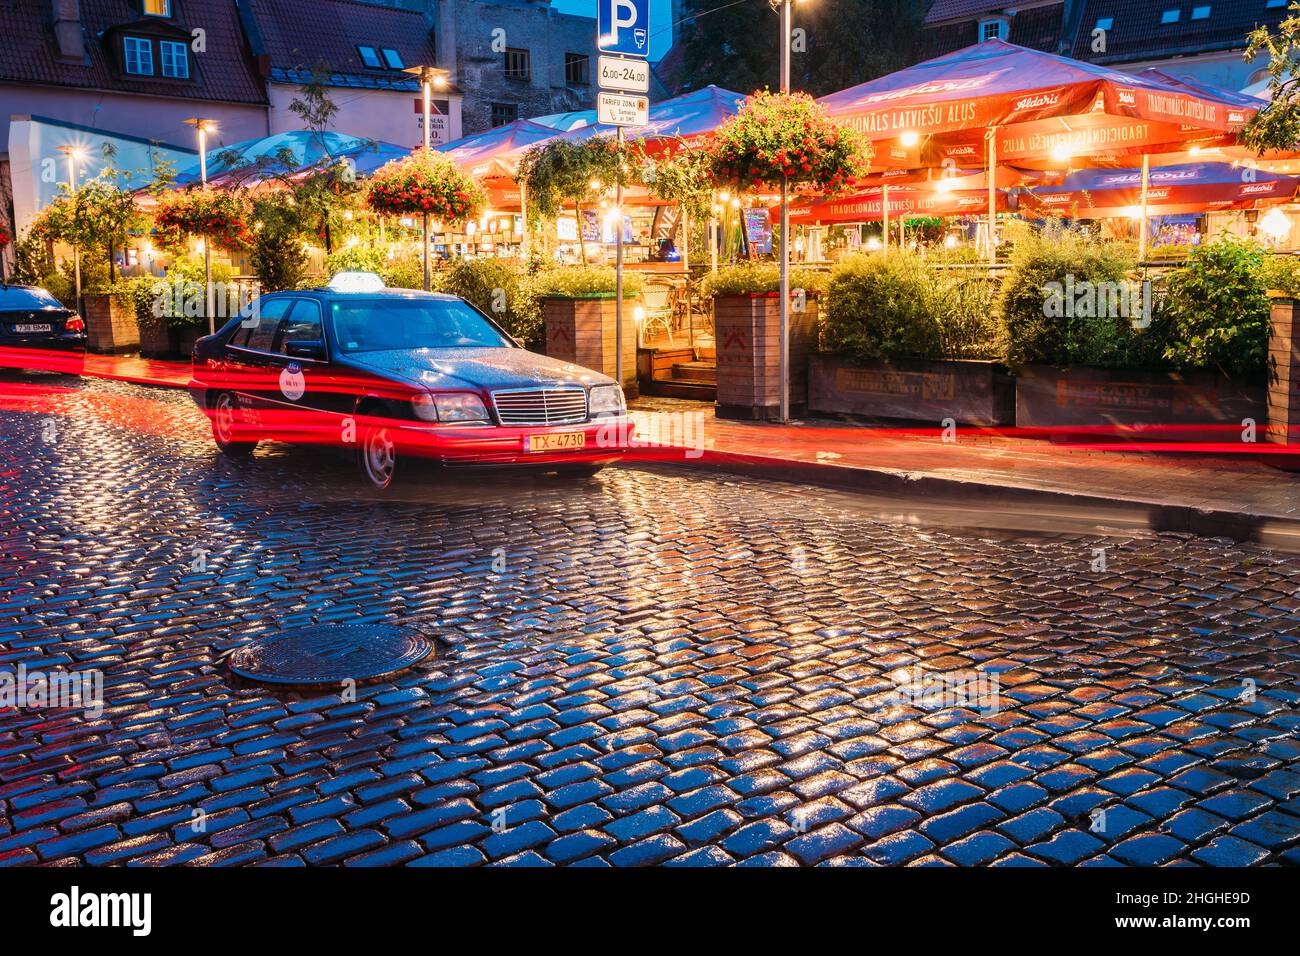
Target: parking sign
x=623, y=26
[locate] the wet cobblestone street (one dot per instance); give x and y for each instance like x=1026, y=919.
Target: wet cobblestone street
x=653, y=666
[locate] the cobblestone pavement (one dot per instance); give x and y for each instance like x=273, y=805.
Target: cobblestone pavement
x=660, y=667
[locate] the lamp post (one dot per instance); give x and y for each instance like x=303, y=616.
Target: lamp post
x=202, y=127
x=786, y=10
x=430, y=76
x=74, y=153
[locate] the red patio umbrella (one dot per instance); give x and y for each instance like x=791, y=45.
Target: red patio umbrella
x=1194, y=187
x=999, y=102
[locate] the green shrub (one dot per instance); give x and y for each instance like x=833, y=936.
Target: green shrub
x=502, y=289
x=1218, y=310
x=1282, y=273
x=1060, y=259
x=574, y=282
x=881, y=306
x=758, y=278
x=967, y=317
x=407, y=272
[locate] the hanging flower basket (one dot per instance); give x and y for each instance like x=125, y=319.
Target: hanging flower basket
x=424, y=182
x=220, y=217
x=779, y=134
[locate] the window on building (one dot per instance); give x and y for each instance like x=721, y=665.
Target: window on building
x=518, y=64
x=993, y=30
x=577, y=69
x=1200, y=13
x=1170, y=16
x=175, y=59
x=369, y=57
x=139, y=56
x=503, y=113
x=1274, y=4
x=393, y=59
x=157, y=8
x=1105, y=23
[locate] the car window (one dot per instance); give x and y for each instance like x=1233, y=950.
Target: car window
x=304, y=324
x=370, y=325
x=14, y=297
x=261, y=335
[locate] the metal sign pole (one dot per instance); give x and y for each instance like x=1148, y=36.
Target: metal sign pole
x=618, y=259
x=786, y=7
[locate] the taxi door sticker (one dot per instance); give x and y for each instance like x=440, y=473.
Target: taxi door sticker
x=293, y=384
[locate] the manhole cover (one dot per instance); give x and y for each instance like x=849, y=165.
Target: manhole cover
x=330, y=654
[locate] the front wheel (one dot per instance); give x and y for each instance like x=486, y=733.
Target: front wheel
x=377, y=458
x=225, y=422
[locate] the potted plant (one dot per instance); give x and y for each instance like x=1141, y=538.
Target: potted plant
x=901, y=341
x=578, y=310
x=95, y=218
x=1092, y=352
x=773, y=139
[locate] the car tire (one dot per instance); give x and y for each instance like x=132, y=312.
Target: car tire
x=377, y=459
x=578, y=471
x=225, y=415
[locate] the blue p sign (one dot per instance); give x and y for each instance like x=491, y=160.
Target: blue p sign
x=623, y=26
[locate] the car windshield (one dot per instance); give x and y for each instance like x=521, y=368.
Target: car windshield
x=372, y=325
x=13, y=297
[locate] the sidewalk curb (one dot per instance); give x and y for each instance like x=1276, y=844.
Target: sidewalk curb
x=1159, y=516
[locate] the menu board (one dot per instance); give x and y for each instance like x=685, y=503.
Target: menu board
x=758, y=230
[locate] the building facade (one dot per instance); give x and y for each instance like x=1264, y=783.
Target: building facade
x=515, y=59
x=1199, y=39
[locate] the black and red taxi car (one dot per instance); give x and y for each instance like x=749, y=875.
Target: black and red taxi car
x=389, y=373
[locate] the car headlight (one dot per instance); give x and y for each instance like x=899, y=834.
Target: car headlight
x=459, y=407
x=606, y=400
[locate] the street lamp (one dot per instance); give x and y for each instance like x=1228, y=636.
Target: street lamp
x=203, y=127
x=74, y=153
x=786, y=9
x=429, y=76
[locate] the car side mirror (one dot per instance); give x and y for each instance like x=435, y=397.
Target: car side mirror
x=306, y=348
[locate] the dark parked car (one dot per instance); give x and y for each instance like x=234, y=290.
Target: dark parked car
x=37, y=331
x=387, y=373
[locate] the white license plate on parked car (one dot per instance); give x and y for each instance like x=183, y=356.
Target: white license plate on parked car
x=33, y=327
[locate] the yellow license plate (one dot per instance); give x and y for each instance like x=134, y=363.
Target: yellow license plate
x=558, y=441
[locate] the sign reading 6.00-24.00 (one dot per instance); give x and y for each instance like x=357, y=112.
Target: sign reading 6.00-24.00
x=624, y=74
x=623, y=27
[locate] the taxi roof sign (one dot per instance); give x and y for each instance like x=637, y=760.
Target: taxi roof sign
x=356, y=282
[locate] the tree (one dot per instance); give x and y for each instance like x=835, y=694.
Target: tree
x=1277, y=124
x=96, y=217
x=836, y=43
x=560, y=172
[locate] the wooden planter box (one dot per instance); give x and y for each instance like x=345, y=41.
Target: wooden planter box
x=1284, y=380
x=110, y=324
x=747, y=335
x=1164, y=406
x=585, y=332
x=157, y=338
x=968, y=392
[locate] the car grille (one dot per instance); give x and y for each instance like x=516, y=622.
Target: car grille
x=541, y=406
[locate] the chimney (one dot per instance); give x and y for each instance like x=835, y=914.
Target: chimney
x=67, y=31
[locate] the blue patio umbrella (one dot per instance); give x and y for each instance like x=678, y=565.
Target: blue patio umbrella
x=288, y=153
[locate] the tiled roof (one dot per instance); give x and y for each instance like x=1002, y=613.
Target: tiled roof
x=1136, y=32
x=223, y=73
x=300, y=35
x=942, y=10
x=1038, y=28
